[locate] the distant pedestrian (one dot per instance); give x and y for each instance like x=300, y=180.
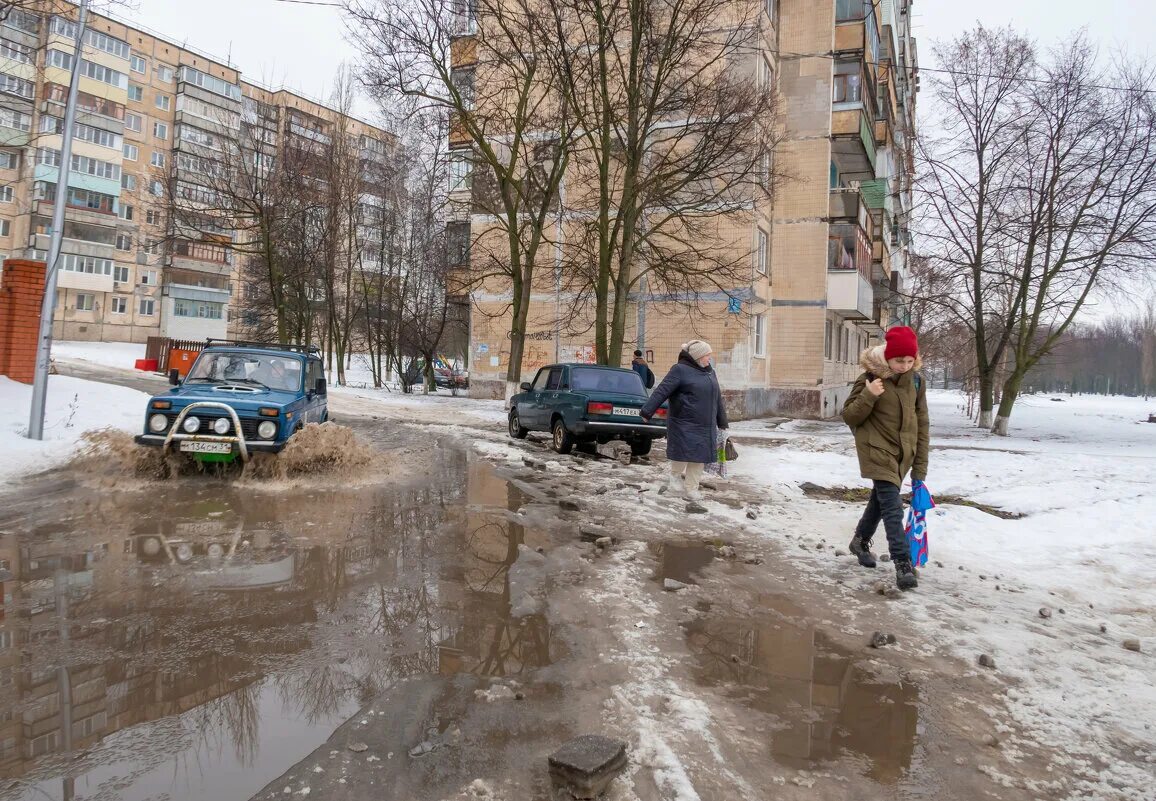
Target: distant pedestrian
x=640, y=366
x=696, y=414
x=887, y=410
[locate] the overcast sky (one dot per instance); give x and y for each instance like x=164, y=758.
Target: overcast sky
x=301, y=46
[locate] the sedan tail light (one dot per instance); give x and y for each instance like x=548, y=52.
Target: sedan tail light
x=661, y=414
x=599, y=408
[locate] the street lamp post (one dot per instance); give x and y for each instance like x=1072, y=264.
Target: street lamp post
x=48, y=306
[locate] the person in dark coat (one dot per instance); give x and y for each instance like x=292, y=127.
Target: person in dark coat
x=640, y=366
x=887, y=410
x=696, y=414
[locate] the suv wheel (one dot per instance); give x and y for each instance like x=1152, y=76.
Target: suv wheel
x=516, y=430
x=641, y=447
x=563, y=439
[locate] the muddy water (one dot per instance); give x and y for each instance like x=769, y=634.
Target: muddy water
x=820, y=701
x=193, y=639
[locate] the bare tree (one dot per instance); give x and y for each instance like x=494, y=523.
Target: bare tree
x=1085, y=202
x=677, y=124
x=481, y=63
x=967, y=183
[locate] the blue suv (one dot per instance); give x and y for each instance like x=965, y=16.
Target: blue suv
x=238, y=398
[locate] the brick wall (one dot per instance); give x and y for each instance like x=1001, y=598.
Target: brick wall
x=21, y=293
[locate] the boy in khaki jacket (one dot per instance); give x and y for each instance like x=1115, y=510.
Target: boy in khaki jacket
x=887, y=410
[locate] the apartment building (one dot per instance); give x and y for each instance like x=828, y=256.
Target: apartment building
x=150, y=115
x=827, y=258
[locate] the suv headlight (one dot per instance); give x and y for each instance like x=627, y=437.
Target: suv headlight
x=267, y=429
x=158, y=423
x=191, y=424
x=221, y=425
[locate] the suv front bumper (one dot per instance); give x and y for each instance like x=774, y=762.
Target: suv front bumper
x=236, y=440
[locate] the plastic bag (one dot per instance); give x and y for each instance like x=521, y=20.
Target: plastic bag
x=916, y=523
x=725, y=449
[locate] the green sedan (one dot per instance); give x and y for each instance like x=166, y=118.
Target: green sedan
x=584, y=405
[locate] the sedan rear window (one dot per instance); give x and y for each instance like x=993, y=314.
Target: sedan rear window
x=588, y=379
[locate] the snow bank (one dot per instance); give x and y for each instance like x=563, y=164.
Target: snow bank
x=107, y=354
x=74, y=407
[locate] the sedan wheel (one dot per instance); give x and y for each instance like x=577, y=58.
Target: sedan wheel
x=516, y=430
x=563, y=439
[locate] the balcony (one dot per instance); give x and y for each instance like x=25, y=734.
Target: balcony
x=853, y=140
x=850, y=294
x=86, y=282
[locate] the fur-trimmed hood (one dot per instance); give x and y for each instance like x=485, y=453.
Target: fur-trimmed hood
x=872, y=361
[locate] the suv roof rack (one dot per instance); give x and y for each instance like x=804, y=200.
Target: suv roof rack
x=306, y=349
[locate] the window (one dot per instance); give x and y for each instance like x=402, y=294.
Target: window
x=6, y=194
x=772, y=7
x=765, y=170
x=148, y=278
x=152, y=216
x=157, y=188
x=210, y=83
x=139, y=65
x=66, y=28
x=846, y=345
x=89, y=265
x=460, y=171
x=595, y=380
x=850, y=10
x=119, y=305
x=760, y=335
x=50, y=157
x=147, y=307
x=463, y=81
x=86, y=133
x=827, y=337
x=761, y=253
x=136, y=93
x=133, y=122
x=125, y=212
x=160, y=130
x=131, y=152
x=11, y=85
x=163, y=102
x=5, y=227
x=848, y=87
x=15, y=119
x=89, y=69
x=128, y=182
x=120, y=273
x=124, y=242
x=466, y=13
x=192, y=106
x=9, y=160
x=165, y=73
x=158, y=159
x=84, y=301
x=206, y=311
x=15, y=51
x=766, y=75
x=188, y=133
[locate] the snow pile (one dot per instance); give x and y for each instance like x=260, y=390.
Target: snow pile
x=74, y=407
x=122, y=355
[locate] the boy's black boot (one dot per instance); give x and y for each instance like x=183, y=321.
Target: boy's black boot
x=905, y=575
x=862, y=551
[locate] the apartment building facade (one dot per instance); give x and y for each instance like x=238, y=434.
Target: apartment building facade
x=827, y=257
x=150, y=115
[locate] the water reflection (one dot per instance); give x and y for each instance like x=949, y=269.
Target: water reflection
x=195, y=640
x=826, y=703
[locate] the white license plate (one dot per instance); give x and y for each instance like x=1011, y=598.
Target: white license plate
x=190, y=446
x=625, y=411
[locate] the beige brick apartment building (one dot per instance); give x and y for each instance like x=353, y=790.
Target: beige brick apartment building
x=149, y=111
x=828, y=258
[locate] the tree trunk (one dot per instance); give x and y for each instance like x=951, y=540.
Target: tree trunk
x=986, y=398
x=1011, y=391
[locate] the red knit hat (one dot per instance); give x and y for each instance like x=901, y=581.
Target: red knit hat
x=901, y=341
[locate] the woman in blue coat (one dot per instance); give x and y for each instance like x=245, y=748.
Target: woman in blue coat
x=696, y=414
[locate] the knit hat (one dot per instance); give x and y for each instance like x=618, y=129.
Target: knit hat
x=901, y=341
x=697, y=349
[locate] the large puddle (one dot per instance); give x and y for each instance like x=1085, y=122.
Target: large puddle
x=193, y=639
x=820, y=702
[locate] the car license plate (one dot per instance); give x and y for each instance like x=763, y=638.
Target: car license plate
x=625, y=411
x=190, y=446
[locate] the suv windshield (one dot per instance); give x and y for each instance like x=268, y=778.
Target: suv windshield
x=591, y=379
x=275, y=372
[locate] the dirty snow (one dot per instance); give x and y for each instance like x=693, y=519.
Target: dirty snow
x=1082, y=470
x=74, y=407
